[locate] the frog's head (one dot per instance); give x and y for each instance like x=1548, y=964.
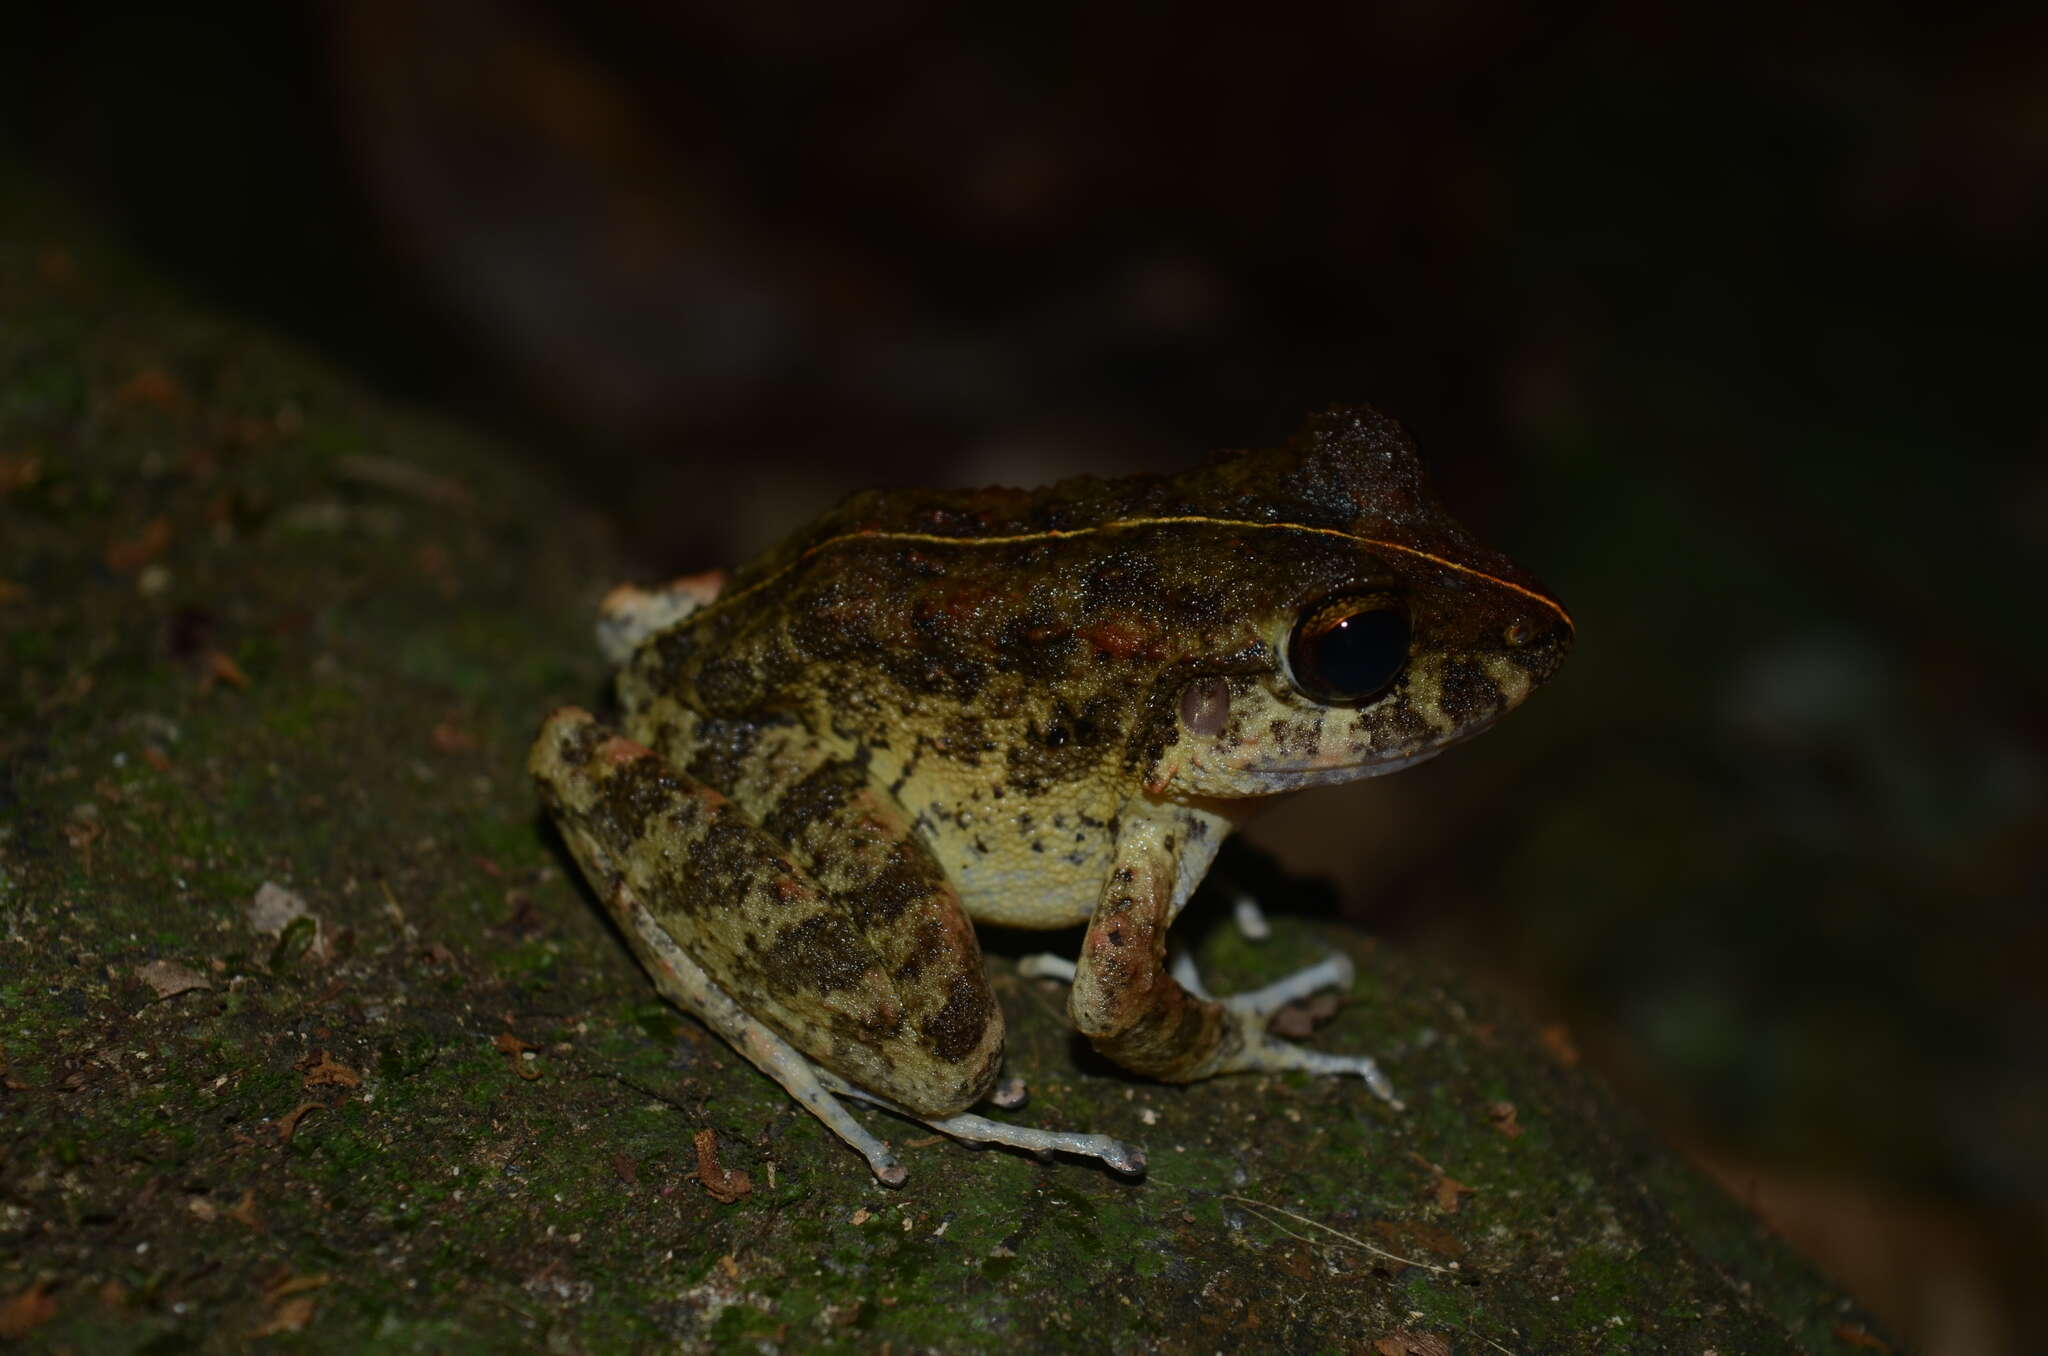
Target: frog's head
x=1368, y=630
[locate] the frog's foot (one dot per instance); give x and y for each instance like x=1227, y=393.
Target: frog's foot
x=1128, y=1159
x=1263, y=1052
x=1334, y=971
x=1045, y=965
x=629, y=614
x=1259, y=1051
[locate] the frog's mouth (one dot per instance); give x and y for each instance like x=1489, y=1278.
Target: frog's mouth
x=1336, y=768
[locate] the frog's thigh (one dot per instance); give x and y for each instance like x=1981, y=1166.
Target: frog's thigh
x=882, y=985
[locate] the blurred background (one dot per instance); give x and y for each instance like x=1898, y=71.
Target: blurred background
x=1729, y=325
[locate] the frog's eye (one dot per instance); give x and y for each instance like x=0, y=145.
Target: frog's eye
x=1346, y=649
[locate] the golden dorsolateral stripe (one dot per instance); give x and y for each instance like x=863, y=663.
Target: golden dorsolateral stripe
x=1054, y=534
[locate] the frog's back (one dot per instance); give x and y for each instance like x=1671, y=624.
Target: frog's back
x=1352, y=470
x=956, y=605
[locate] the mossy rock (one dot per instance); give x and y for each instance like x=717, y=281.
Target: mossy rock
x=272, y=647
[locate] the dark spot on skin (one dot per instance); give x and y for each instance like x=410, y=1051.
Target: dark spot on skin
x=721, y=750
x=728, y=686
x=821, y=796
x=638, y=793
x=669, y=657
x=577, y=749
x=823, y=951
x=912, y=965
x=956, y=1029
x=908, y=877
x=1116, y=937
x=1465, y=691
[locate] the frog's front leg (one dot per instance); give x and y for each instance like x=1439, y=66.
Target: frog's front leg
x=1128, y=1003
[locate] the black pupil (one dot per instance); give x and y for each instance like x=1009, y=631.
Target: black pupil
x=1353, y=659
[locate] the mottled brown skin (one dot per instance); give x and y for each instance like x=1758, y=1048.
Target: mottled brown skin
x=1026, y=707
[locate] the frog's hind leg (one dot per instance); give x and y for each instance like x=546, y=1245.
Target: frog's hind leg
x=1125, y=1158
x=683, y=982
x=799, y=919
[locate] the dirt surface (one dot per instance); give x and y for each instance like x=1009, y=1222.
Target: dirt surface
x=306, y=1034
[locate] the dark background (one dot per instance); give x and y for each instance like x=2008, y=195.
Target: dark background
x=1730, y=326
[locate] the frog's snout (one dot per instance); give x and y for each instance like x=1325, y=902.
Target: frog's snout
x=1537, y=641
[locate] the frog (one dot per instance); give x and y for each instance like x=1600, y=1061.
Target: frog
x=931, y=710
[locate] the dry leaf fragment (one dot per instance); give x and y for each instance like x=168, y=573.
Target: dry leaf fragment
x=1406, y=1343
x=1505, y=1118
x=1299, y=1020
x=1856, y=1335
x=514, y=1049
x=322, y=1071
x=292, y=1315
x=289, y=1126
x=1557, y=1039
x=154, y=387
x=1450, y=1193
x=449, y=737
x=627, y=1169
x=128, y=556
x=19, y=471
x=243, y=1212
x=221, y=668
x=726, y=1185
x=288, y=1285
x=156, y=758
x=82, y=830
x=1448, y=1190
x=27, y=1310
x=169, y=978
